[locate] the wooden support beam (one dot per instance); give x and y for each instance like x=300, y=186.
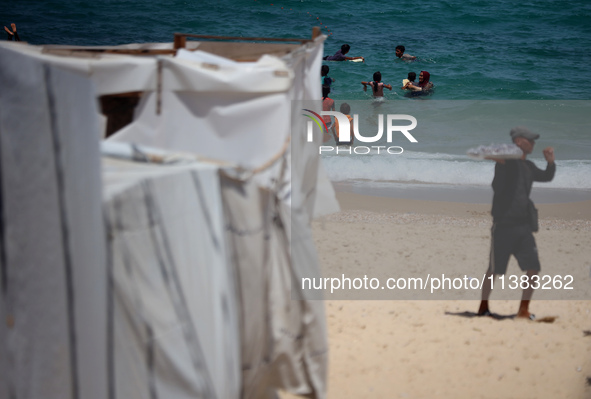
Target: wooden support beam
x=180, y=41
x=61, y=50
x=239, y=38
x=316, y=32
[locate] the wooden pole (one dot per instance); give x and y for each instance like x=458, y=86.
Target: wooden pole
x=180, y=41
x=316, y=32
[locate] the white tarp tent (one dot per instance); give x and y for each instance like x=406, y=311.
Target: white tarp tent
x=199, y=303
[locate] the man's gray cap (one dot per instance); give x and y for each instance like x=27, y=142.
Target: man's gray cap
x=520, y=131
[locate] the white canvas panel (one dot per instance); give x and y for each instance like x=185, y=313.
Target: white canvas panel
x=247, y=213
x=53, y=242
x=283, y=335
x=175, y=316
x=310, y=186
x=246, y=130
x=201, y=71
x=110, y=73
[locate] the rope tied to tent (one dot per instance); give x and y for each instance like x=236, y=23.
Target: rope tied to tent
x=136, y=153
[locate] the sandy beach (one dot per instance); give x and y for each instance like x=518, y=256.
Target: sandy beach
x=422, y=348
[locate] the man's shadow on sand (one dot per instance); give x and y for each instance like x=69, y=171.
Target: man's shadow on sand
x=495, y=316
x=470, y=315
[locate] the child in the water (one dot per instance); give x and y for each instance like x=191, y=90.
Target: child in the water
x=326, y=80
x=327, y=105
x=376, y=85
x=410, y=84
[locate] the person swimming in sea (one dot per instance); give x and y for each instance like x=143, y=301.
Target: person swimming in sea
x=400, y=54
x=424, y=81
x=425, y=86
x=341, y=55
x=410, y=84
x=376, y=85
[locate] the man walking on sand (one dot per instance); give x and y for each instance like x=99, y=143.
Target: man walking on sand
x=512, y=230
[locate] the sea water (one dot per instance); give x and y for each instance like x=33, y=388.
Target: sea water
x=495, y=64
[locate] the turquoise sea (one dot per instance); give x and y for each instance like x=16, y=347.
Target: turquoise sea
x=494, y=63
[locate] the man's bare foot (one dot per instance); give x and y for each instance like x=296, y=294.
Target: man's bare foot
x=532, y=317
x=483, y=309
x=524, y=314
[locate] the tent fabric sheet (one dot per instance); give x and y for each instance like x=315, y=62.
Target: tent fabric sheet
x=109, y=73
x=284, y=342
x=169, y=220
x=237, y=112
x=53, y=295
x=312, y=191
x=174, y=296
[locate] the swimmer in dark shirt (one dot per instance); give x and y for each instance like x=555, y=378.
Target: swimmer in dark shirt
x=340, y=55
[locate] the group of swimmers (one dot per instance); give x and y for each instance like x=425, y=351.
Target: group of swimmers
x=340, y=55
x=424, y=84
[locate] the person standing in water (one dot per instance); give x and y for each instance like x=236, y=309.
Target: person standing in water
x=346, y=110
x=12, y=35
x=326, y=80
x=410, y=84
x=424, y=81
x=376, y=85
x=327, y=105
